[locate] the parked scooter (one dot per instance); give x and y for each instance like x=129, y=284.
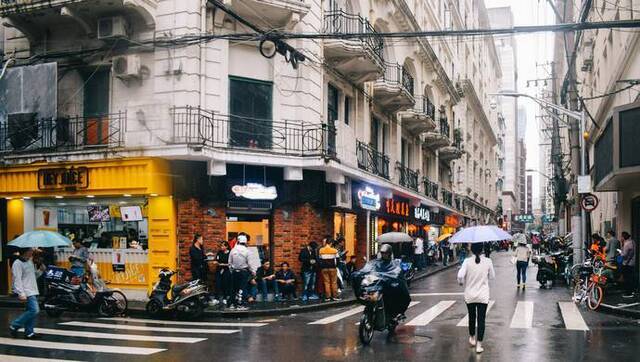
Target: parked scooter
x=65, y=292
x=188, y=299
x=553, y=267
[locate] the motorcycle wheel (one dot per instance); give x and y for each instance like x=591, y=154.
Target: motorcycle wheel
x=53, y=313
x=365, y=331
x=154, y=307
x=196, y=310
x=113, y=305
x=595, y=297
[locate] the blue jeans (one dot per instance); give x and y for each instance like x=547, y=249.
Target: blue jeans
x=78, y=271
x=265, y=285
x=27, y=319
x=521, y=270
x=309, y=283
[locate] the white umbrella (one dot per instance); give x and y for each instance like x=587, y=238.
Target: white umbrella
x=480, y=234
x=394, y=237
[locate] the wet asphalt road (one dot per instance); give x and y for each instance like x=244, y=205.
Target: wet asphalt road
x=511, y=335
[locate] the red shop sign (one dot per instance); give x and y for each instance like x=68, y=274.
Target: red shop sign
x=399, y=208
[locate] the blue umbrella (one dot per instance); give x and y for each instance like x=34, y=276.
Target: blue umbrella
x=40, y=239
x=480, y=234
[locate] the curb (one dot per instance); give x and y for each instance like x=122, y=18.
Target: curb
x=618, y=311
x=13, y=303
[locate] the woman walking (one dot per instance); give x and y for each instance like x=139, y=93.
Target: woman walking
x=523, y=254
x=475, y=274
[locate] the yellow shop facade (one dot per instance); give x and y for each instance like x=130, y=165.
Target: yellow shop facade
x=122, y=210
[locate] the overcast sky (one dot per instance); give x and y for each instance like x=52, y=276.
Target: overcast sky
x=532, y=49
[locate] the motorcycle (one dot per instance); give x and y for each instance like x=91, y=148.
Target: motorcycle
x=374, y=317
x=554, y=266
x=65, y=292
x=187, y=299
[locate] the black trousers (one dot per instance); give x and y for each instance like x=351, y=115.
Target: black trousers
x=240, y=280
x=629, y=278
x=477, y=311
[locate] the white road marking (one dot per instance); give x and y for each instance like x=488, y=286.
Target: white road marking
x=126, y=337
x=10, y=358
x=523, y=316
x=464, y=322
x=411, y=304
x=431, y=313
x=572, y=318
x=80, y=347
x=434, y=294
x=202, y=324
x=151, y=329
x=339, y=316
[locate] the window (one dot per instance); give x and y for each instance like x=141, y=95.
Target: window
x=250, y=121
x=332, y=103
x=375, y=130
x=404, y=153
x=96, y=107
x=347, y=110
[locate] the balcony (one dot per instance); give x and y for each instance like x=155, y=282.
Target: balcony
x=447, y=197
x=199, y=128
x=22, y=134
x=420, y=118
x=372, y=161
x=455, y=150
x=430, y=188
x=358, y=59
x=408, y=177
x=440, y=137
x=282, y=14
x=616, y=164
x=35, y=17
x=394, y=90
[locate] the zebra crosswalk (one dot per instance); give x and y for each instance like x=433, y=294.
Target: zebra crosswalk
x=445, y=311
x=148, y=336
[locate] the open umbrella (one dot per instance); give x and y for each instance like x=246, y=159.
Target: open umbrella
x=444, y=236
x=394, y=237
x=480, y=234
x=40, y=239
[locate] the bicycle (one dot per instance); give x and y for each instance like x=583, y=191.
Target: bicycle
x=589, y=290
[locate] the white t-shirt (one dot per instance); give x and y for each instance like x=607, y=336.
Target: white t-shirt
x=476, y=277
x=419, y=246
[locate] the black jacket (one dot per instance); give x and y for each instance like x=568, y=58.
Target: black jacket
x=199, y=267
x=306, y=257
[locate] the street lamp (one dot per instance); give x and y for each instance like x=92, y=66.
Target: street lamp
x=580, y=117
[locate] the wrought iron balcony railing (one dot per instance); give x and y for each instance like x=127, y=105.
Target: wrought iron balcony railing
x=424, y=105
x=408, y=177
x=371, y=160
x=447, y=197
x=430, y=188
x=199, y=127
x=29, y=135
x=457, y=138
x=21, y=6
x=396, y=74
x=340, y=22
x=445, y=129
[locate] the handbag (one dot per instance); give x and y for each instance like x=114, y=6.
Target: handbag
x=514, y=260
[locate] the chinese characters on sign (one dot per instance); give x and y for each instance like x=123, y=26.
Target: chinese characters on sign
x=399, y=208
x=526, y=218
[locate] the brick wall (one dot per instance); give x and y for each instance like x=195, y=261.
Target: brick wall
x=293, y=227
x=296, y=226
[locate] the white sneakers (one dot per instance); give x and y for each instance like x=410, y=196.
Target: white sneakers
x=474, y=343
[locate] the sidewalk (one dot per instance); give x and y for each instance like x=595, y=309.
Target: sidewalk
x=613, y=303
x=258, y=309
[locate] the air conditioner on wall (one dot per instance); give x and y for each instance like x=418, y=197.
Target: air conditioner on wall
x=112, y=27
x=343, y=195
x=126, y=66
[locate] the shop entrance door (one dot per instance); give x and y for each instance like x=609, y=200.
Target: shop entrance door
x=257, y=226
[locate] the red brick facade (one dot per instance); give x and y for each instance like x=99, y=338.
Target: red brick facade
x=293, y=227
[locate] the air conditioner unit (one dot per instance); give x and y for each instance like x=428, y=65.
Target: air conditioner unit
x=112, y=27
x=126, y=66
x=343, y=195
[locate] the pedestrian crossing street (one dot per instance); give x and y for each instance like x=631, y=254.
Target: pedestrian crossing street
x=122, y=336
x=422, y=313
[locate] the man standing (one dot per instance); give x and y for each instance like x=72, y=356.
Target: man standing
x=308, y=258
x=446, y=251
x=628, y=264
x=199, y=266
x=26, y=287
x=328, y=256
x=240, y=271
x=79, y=258
x=612, y=247
x=419, y=253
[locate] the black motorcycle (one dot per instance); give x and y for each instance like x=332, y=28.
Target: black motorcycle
x=65, y=292
x=554, y=266
x=375, y=316
x=188, y=299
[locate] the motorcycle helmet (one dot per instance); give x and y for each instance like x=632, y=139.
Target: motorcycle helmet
x=386, y=252
x=165, y=273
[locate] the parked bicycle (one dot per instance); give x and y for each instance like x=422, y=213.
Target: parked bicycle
x=588, y=289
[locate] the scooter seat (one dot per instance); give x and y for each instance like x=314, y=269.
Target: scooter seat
x=178, y=288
